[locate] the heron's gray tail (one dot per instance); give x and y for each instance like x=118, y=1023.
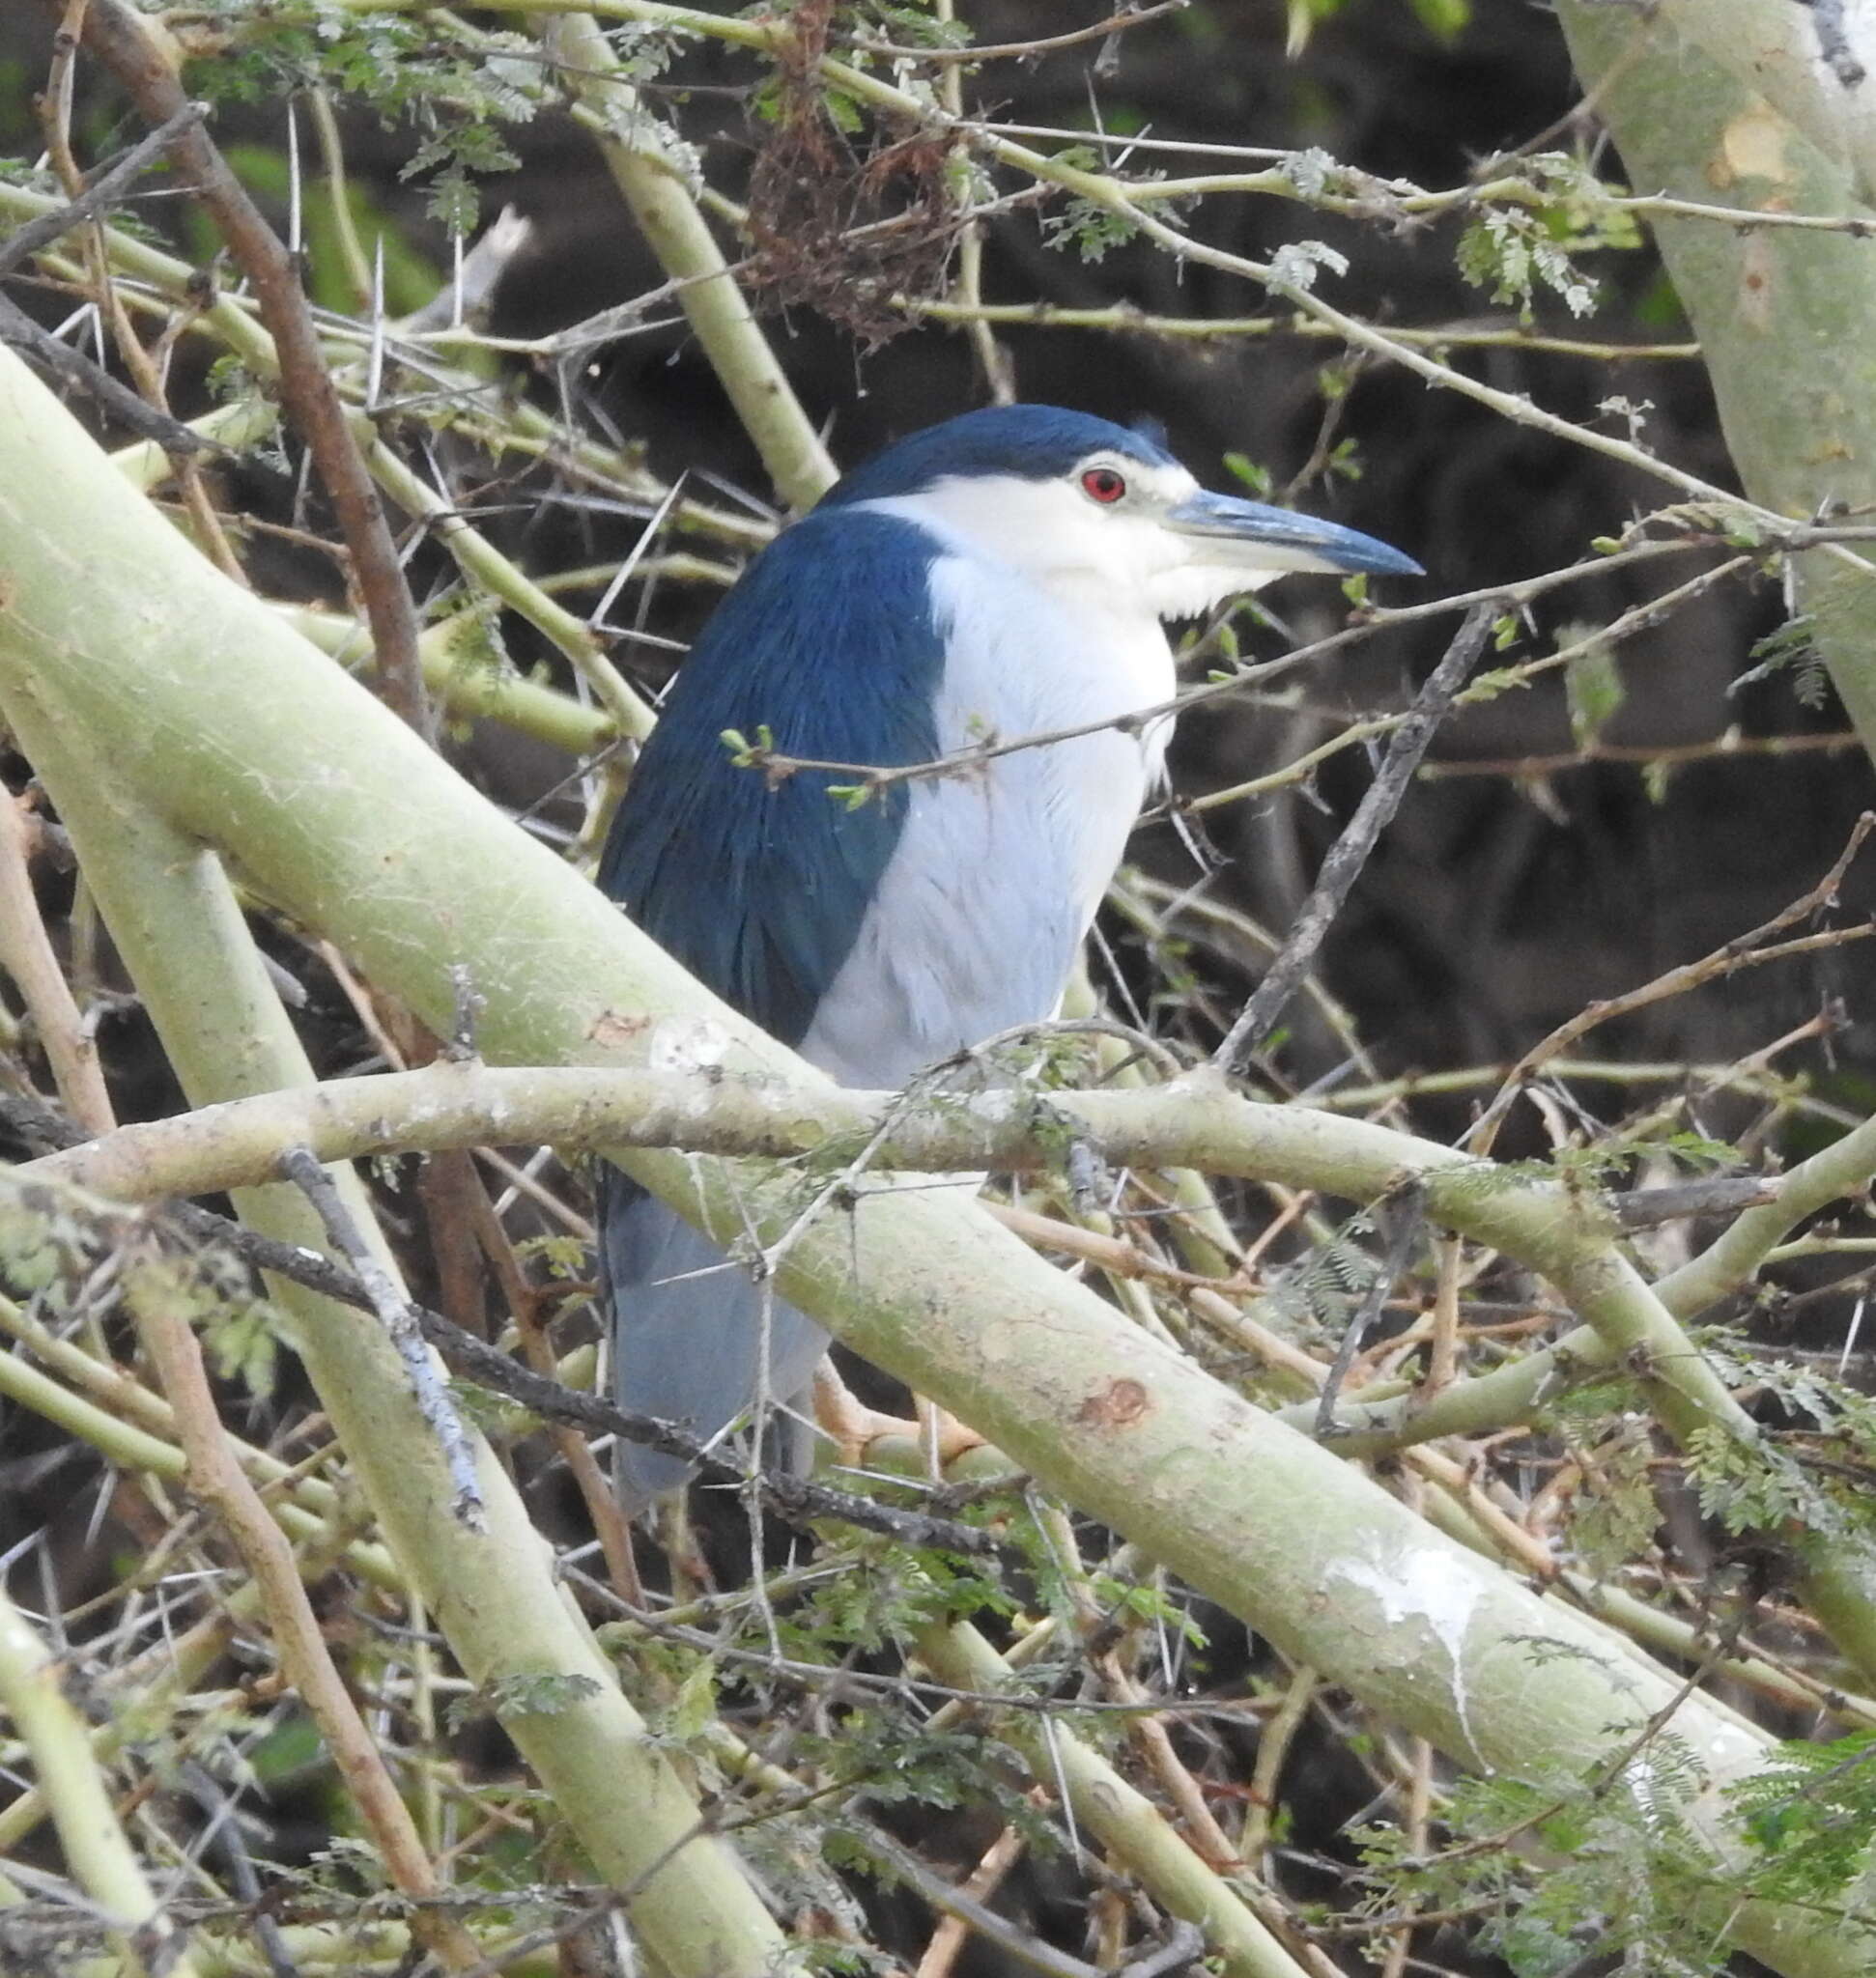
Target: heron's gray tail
x=685, y=1347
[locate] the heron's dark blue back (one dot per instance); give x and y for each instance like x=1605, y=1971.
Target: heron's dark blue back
x=760, y=890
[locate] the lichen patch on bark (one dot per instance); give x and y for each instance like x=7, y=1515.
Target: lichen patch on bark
x=1119, y=1404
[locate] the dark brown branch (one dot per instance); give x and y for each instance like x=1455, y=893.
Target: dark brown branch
x=73, y=368
x=398, y=1315
x=1021, y=51
x=103, y=192
x=795, y=1499
x=1349, y=852
x=1648, y=1209
x=120, y=40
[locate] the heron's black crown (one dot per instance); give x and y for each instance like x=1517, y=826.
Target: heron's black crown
x=1029, y=442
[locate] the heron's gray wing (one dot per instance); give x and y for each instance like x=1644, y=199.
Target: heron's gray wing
x=688, y=1346
x=760, y=890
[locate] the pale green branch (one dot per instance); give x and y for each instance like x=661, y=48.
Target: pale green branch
x=459, y=670
x=1782, y=314
x=98, y=1852
x=638, y=153
x=236, y=733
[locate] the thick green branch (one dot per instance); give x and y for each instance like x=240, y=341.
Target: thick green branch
x=96, y=1851
x=1782, y=314
x=640, y=154
x=211, y=712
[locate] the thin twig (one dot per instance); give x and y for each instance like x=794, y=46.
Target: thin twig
x=74, y=369
x=1646, y=755
x=100, y=195
x=1745, y=951
x=127, y=47
x=1020, y=51
x=160, y=1296
x=399, y=1318
x=1345, y=858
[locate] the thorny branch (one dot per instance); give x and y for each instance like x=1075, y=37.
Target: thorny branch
x=1746, y=951
x=103, y=193
x=74, y=369
x=1349, y=853
x=128, y=48
x=1239, y=1305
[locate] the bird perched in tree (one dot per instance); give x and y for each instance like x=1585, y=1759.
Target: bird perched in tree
x=1006, y=574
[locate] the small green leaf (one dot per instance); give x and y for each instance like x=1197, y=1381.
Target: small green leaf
x=1258, y=479
x=695, y=1703
x=1592, y=687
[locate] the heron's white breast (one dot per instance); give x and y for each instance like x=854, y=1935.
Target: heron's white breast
x=1000, y=866
x=1024, y=661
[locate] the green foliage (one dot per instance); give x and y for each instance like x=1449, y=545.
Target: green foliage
x=1510, y=251
x=1444, y=20
x=496, y=1415
x=815, y=1954
x=1495, y=680
x=1791, y=650
x=37, y=1246
x=1296, y=264
x=473, y=635
x=1257, y=478
x=457, y=90
x=1614, y=1517
x=240, y=1342
x=902, y=1763
x=694, y=1708
x=1812, y=1814
x=1092, y=229
x=892, y=1600
x=542, y=1694
x=914, y=26
x=1815, y=1475
x=1526, y=240
x=1130, y=1600
x=292, y=1746
x=1567, y=1872
x=566, y=1257
x=745, y=753
x=1322, y=1286
x=1592, y=686
x=1752, y=1486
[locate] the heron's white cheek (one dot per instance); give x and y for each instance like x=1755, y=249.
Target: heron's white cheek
x=1189, y=590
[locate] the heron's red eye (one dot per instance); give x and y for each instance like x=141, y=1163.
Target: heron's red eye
x=1104, y=485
